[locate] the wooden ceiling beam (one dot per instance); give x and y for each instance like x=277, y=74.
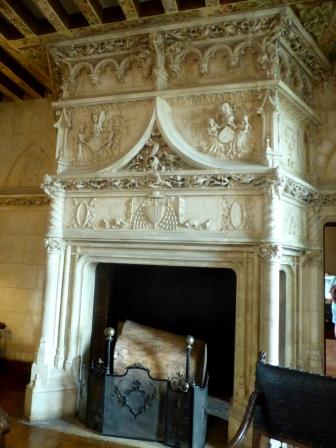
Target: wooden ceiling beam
x=54, y=13
x=28, y=64
x=91, y=10
x=18, y=81
x=170, y=5
x=130, y=8
x=19, y=16
x=10, y=89
x=19, y=76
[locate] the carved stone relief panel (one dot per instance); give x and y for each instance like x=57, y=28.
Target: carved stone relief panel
x=224, y=126
x=169, y=212
x=102, y=134
x=195, y=63
x=294, y=224
x=291, y=138
x=105, y=66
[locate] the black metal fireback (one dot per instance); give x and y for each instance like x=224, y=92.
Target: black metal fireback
x=137, y=406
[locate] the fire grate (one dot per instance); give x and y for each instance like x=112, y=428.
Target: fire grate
x=136, y=406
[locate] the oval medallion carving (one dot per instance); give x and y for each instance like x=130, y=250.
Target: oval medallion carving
x=237, y=214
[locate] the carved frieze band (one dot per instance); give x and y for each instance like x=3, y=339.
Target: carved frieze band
x=24, y=200
x=162, y=55
x=193, y=181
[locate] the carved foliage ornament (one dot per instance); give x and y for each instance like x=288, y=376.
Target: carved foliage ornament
x=25, y=200
x=54, y=245
x=164, y=181
x=156, y=156
x=270, y=252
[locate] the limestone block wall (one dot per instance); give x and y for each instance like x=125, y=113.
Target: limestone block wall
x=27, y=145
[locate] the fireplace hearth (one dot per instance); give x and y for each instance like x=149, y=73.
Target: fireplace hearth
x=135, y=405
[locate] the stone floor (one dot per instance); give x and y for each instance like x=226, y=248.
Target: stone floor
x=61, y=433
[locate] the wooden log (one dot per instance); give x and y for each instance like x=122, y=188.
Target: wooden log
x=161, y=352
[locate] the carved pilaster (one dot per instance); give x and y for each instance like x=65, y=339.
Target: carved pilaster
x=159, y=71
x=269, y=111
x=273, y=212
x=313, y=226
x=312, y=310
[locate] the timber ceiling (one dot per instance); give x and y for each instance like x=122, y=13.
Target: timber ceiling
x=26, y=26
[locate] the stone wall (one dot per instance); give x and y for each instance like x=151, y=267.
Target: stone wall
x=27, y=145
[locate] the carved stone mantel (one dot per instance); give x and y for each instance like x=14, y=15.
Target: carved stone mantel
x=183, y=144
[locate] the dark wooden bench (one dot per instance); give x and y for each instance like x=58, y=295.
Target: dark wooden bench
x=291, y=406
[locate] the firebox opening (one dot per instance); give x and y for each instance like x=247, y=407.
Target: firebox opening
x=184, y=300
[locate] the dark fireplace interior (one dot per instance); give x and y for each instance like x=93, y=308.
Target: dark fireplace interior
x=184, y=300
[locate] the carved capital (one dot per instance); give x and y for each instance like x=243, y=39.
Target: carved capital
x=54, y=245
x=312, y=257
x=270, y=252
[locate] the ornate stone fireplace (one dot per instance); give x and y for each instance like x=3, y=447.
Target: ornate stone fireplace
x=186, y=145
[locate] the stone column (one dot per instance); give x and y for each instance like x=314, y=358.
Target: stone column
x=269, y=301
x=270, y=254
x=313, y=278
x=314, y=310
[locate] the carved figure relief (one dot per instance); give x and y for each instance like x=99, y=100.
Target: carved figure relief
x=95, y=143
x=229, y=136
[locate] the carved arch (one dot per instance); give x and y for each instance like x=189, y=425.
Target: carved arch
x=29, y=167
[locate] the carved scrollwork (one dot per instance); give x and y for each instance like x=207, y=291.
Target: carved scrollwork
x=24, y=200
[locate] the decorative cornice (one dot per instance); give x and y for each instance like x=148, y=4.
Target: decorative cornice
x=24, y=200
x=327, y=199
x=189, y=181
x=299, y=191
